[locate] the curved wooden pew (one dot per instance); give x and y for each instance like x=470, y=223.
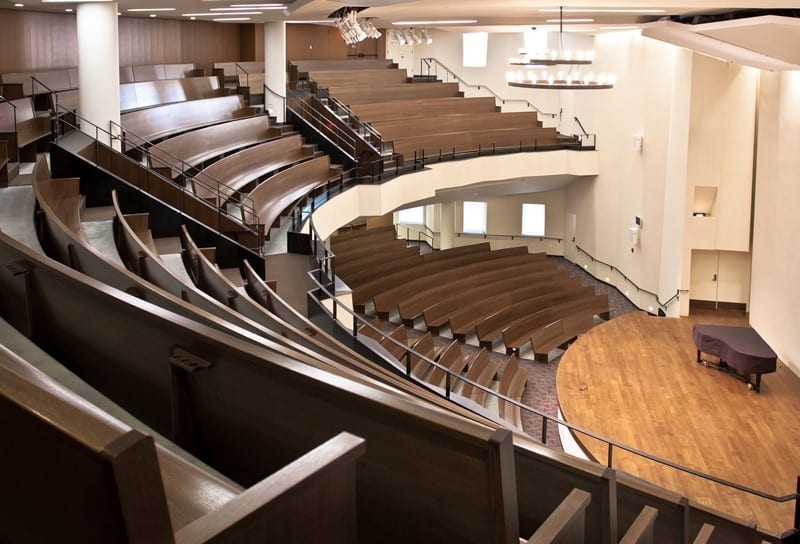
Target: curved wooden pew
x=389, y=299
x=397, y=91
x=512, y=385
x=423, y=107
x=453, y=359
x=482, y=371
x=239, y=170
x=351, y=235
x=522, y=305
x=159, y=122
x=23, y=130
x=395, y=252
x=97, y=480
x=520, y=332
x=149, y=93
x=366, y=76
x=432, y=145
x=445, y=124
x=278, y=192
x=414, y=306
x=199, y=146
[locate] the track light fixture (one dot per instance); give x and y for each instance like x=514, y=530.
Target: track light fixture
x=354, y=30
x=411, y=36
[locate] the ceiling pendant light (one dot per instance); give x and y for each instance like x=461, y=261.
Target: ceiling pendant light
x=571, y=79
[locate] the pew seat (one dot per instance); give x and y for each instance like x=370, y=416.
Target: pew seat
x=455, y=360
x=22, y=129
x=73, y=470
x=423, y=107
x=482, y=371
x=512, y=385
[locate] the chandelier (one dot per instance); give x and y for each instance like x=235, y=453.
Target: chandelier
x=570, y=78
x=354, y=30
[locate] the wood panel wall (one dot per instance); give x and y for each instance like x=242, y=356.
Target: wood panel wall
x=317, y=42
x=32, y=40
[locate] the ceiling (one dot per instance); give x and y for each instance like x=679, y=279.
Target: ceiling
x=492, y=14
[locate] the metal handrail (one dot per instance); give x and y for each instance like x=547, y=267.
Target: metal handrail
x=662, y=305
x=430, y=235
x=275, y=93
x=487, y=235
x=14, y=109
x=612, y=444
x=351, y=118
x=255, y=228
x=346, y=142
x=427, y=61
x=237, y=67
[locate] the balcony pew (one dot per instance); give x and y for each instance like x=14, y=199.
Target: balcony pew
x=512, y=385
x=147, y=94
x=423, y=107
x=519, y=333
x=201, y=146
x=491, y=327
x=464, y=320
x=641, y=531
x=398, y=91
x=240, y=172
x=347, y=241
x=299, y=69
x=73, y=470
x=279, y=192
x=567, y=523
x=558, y=333
x=398, y=347
x=228, y=72
x=24, y=132
x=159, y=122
x=485, y=141
x=445, y=124
x=349, y=78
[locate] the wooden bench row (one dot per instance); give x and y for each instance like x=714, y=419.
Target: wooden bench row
x=299, y=69
x=146, y=94
x=399, y=91
x=155, y=72
x=154, y=124
x=98, y=480
x=445, y=124
x=422, y=107
x=200, y=147
x=241, y=171
x=324, y=79
x=24, y=132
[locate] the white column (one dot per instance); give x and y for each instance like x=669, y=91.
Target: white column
x=275, y=67
x=447, y=221
x=98, y=65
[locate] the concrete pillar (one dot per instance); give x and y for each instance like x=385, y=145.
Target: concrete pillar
x=98, y=65
x=275, y=68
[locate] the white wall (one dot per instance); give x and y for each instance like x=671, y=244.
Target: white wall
x=775, y=290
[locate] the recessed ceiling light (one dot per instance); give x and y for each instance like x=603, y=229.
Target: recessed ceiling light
x=601, y=10
x=232, y=19
x=570, y=20
x=68, y=10
x=317, y=21
x=236, y=11
x=193, y=18
x=434, y=23
x=153, y=15
x=210, y=14
x=259, y=6
x=150, y=9
x=19, y=5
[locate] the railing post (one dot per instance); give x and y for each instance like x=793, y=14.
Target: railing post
x=447, y=384
x=408, y=363
x=797, y=506
x=544, y=430
x=610, y=455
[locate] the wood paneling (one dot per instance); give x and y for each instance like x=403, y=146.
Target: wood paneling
x=37, y=41
x=318, y=42
x=43, y=41
x=634, y=379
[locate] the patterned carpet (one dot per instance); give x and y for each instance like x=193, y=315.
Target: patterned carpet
x=540, y=391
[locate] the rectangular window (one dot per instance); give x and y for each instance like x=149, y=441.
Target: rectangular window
x=414, y=216
x=475, y=217
x=475, y=46
x=533, y=219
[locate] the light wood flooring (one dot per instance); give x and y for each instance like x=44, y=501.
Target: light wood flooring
x=634, y=379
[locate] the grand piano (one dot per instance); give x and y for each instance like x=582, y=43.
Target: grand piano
x=739, y=348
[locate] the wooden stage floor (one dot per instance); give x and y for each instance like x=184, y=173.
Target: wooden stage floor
x=634, y=380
